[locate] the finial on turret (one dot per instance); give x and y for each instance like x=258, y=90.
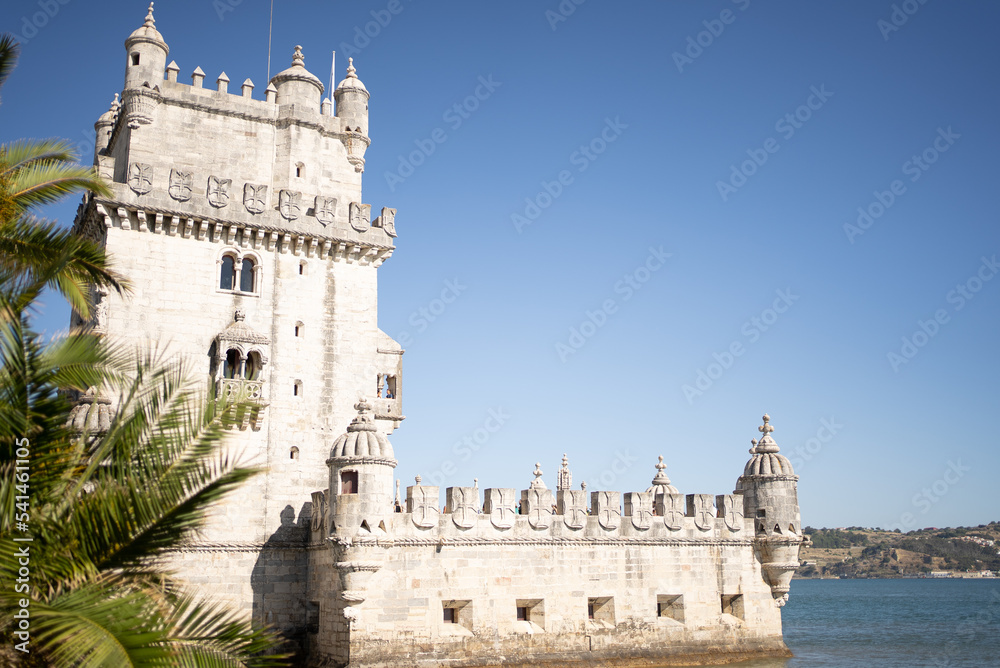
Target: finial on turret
x=661, y=483
x=538, y=483
x=417, y=480
x=564, y=479
x=766, y=444
x=298, y=58
x=351, y=72
x=583, y=485
x=150, y=21
x=753, y=446
x=362, y=407
x=475, y=483
x=766, y=428
x=661, y=477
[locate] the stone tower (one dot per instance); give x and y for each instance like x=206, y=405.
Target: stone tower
x=239, y=220
x=770, y=499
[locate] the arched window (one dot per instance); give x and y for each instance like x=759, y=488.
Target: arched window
x=253, y=367
x=300, y=170
x=232, y=367
x=246, y=275
x=228, y=274
x=293, y=453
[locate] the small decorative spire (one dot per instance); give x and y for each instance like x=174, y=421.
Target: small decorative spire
x=564, y=478
x=351, y=72
x=362, y=407
x=753, y=446
x=150, y=21
x=475, y=483
x=765, y=428
x=766, y=444
x=298, y=58
x=115, y=104
x=583, y=485
x=397, y=499
x=661, y=476
x=417, y=480
x=538, y=483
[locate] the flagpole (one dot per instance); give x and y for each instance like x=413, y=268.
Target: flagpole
x=270, y=26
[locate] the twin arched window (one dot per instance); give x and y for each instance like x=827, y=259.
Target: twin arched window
x=235, y=272
x=236, y=366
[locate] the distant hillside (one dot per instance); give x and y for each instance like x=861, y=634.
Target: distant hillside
x=856, y=552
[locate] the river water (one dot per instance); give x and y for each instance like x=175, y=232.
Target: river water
x=942, y=623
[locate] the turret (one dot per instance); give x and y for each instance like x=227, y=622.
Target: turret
x=147, y=55
x=352, y=110
x=361, y=463
x=103, y=127
x=297, y=85
x=770, y=498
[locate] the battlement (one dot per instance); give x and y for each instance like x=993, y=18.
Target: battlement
x=294, y=161
x=671, y=517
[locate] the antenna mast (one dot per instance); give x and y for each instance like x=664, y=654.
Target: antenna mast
x=270, y=26
x=333, y=74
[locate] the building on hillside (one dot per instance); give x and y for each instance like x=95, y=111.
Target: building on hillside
x=240, y=222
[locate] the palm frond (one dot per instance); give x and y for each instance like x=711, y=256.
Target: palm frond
x=9, y=50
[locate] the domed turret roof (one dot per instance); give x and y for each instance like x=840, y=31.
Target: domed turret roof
x=351, y=82
x=661, y=483
x=363, y=439
x=297, y=72
x=147, y=32
x=108, y=117
x=766, y=460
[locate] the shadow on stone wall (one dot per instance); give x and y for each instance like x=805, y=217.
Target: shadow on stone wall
x=279, y=580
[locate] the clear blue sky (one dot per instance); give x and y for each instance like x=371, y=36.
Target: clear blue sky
x=913, y=441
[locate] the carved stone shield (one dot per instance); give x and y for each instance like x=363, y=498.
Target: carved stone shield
x=537, y=505
x=730, y=508
x=462, y=503
x=573, y=506
x=671, y=506
x=180, y=185
x=319, y=510
x=325, y=209
x=499, y=505
x=361, y=216
x=290, y=204
x=218, y=191
x=700, y=507
x=140, y=177
x=607, y=507
x=421, y=503
x=639, y=506
x=388, y=219
x=254, y=197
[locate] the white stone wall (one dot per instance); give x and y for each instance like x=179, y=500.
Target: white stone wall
x=401, y=618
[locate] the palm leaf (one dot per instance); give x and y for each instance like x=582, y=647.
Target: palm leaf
x=9, y=50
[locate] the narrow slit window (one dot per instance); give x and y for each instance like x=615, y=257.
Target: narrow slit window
x=522, y=613
x=135, y=58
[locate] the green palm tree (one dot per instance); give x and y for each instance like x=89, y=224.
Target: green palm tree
x=35, y=253
x=102, y=506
